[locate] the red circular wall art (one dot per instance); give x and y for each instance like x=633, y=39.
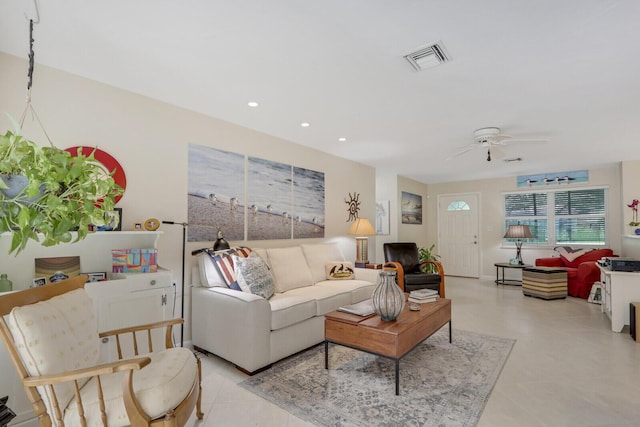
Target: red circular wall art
x=109, y=163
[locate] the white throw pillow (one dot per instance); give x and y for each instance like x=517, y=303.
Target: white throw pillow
x=253, y=275
x=289, y=268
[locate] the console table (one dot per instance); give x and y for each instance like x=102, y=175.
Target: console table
x=503, y=265
x=619, y=289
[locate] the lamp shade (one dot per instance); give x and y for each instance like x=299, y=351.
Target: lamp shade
x=518, y=232
x=362, y=227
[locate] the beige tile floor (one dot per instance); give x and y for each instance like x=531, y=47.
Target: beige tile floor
x=566, y=369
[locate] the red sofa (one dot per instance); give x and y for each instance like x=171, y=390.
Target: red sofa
x=582, y=272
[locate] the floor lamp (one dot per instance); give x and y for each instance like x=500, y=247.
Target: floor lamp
x=184, y=243
x=518, y=232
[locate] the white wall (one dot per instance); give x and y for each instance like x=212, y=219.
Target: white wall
x=150, y=140
x=492, y=215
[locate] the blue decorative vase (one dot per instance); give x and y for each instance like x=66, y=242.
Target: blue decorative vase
x=387, y=298
x=637, y=231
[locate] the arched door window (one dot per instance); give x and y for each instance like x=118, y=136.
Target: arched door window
x=458, y=205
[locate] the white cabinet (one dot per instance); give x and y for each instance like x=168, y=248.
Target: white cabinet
x=10, y=385
x=619, y=289
x=129, y=300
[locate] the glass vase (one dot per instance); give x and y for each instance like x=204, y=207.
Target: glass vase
x=388, y=298
x=5, y=284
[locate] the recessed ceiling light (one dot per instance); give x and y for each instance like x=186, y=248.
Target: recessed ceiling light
x=252, y=104
x=304, y=124
x=342, y=139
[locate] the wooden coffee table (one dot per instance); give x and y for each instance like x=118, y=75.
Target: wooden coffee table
x=392, y=340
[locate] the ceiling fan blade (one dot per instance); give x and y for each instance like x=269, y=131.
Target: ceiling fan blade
x=464, y=150
x=524, y=141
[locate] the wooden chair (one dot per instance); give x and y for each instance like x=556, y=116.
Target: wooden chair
x=51, y=336
x=403, y=257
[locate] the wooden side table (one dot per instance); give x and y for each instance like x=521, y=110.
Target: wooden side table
x=503, y=281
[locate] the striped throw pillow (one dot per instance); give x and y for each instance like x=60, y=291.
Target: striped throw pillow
x=224, y=264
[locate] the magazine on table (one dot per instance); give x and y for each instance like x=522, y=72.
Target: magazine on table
x=362, y=308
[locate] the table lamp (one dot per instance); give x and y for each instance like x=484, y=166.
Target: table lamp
x=361, y=228
x=518, y=232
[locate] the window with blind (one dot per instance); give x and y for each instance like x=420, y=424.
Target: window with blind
x=559, y=217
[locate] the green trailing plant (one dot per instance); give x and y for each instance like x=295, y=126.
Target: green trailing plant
x=61, y=193
x=427, y=254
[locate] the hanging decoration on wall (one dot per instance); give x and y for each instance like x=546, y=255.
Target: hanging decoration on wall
x=354, y=206
x=553, y=178
x=411, y=209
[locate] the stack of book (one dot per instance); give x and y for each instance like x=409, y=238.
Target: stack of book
x=421, y=296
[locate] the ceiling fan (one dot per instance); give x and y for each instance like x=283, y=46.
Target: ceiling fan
x=491, y=139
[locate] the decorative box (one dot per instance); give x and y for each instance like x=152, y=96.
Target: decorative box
x=134, y=260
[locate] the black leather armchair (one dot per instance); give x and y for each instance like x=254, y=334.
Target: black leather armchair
x=404, y=258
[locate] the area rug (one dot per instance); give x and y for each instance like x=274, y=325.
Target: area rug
x=441, y=384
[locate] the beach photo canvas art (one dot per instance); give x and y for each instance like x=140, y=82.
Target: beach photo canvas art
x=216, y=194
x=308, y=203
x=411, y=208
x=270, y=200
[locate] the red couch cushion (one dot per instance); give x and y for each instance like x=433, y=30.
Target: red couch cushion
x=593, y=255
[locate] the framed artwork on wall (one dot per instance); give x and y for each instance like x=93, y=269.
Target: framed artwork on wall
x=383, y=221
x=411, y=208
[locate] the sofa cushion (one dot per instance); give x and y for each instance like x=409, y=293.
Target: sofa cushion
x=224, y=264
x=588, y=255
x=569, y=254
x=288, y=309
x=360, y=290
x=318, y=255
x=339, y=270
x=327, y=299
x=253, y=275
x=289, y=268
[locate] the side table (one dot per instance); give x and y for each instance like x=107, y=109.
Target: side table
x=503, y=265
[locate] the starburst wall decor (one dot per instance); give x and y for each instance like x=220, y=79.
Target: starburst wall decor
x=354, y=206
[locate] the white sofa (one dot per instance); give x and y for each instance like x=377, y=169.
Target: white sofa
x=253, y=332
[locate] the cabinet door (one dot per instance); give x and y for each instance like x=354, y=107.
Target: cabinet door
x=131, y=309
x=10, y=385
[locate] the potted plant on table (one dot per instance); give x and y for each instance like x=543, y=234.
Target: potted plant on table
x=46, y=193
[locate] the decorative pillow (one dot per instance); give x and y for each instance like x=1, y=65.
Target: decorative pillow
x=570, y=254
x=224, y=264
x=253, y=275
x=339, y=270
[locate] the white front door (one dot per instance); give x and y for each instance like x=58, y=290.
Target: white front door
x=458, y=237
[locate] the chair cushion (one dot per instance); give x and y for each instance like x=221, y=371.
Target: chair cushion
x=421, y=279
x=404, y=253
x=159, y=387
x=56, y=335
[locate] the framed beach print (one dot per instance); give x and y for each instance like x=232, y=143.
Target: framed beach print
x=411, y=208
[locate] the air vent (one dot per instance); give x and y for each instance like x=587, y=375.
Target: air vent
x=428, y=57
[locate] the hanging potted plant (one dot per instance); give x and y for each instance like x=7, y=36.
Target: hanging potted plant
x=46, y=193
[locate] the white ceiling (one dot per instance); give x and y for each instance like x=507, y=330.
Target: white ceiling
x=563, y=70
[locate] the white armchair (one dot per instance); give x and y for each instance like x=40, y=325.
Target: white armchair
x=51, y=336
